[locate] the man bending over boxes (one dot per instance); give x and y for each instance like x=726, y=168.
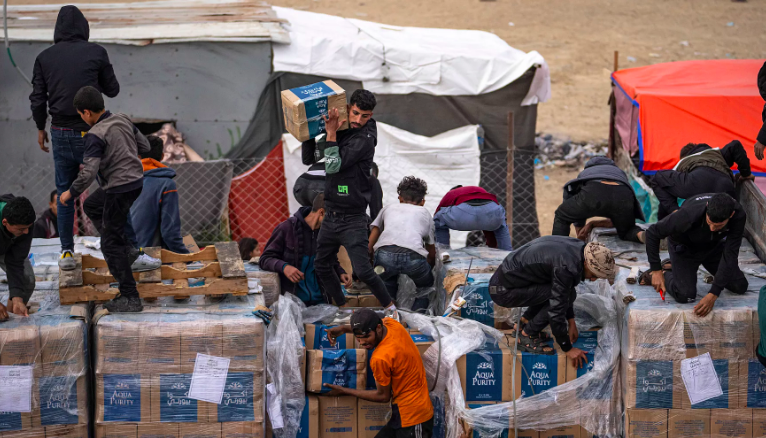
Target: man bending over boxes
x=542, y=276
x=18, y=216
x=707, y=230
x=399, y=374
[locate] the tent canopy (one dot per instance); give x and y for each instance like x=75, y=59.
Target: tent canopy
x=662, y=107
x=401, y=60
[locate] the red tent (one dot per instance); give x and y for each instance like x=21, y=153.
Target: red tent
x=662, y=107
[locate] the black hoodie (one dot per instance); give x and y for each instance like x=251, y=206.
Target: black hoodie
x=65, y=67
x=762, y=89
x=14, y=250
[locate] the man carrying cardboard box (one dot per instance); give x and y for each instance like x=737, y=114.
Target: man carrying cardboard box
x=542, y=276
x=707, y=230
x=348, y=163
x=399, y=374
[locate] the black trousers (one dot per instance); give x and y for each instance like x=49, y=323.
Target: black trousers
x=670, y=186
x=536, y=298
x=109, y=213
x=598, y=199
x=422, y=430
x=681, y=281
x=349, y=231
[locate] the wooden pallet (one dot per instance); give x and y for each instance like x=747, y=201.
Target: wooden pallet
x=224, y=273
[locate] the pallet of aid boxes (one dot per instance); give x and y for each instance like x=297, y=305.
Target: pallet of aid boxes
x=145, y=366
x=656, y=397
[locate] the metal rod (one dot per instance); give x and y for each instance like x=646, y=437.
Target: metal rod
x=8, y=43
x=509, y=177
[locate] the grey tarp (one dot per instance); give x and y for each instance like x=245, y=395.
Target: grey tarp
x=430, y=115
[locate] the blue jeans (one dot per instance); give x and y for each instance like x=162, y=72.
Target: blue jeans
x=411, y=265
x=467, y=217
x=68, y=149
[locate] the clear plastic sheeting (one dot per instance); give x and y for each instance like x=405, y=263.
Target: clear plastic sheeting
x=479, y=305
x=284, y=355
x=590, y=402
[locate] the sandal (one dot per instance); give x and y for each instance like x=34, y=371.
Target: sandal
x=667, y=265
x=645, y=278
x=543, y=335
x=535, y=345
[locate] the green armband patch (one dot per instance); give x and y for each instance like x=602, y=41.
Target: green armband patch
x=332, y=160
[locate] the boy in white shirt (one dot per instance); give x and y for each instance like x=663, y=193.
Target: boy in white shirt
x=402, y=239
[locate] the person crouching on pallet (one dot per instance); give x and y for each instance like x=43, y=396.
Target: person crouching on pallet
x=111, y=152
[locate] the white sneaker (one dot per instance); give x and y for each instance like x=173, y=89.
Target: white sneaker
x=67, y=261
x=145, y=262
x=391, y=312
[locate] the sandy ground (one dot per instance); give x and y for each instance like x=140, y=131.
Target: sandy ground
x=549, y=184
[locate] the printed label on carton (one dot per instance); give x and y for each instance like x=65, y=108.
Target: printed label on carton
x=339, y=368
x=484, y=371
x=654, y=384
x=58, y=400
x=479, y=306
x=175, y=404
x=237, y=403
x=10, y=421
x=756, y=384
x=721, y=367
x=122, y=397
x=322, y=341
x=543, y=373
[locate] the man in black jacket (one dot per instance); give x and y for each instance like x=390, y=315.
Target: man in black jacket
x=542, y=276
x=46, y=226
x=707, y=230
x=348, y=189
x=59, y=72
x=701, y=169
x=760, y=142
x=18, y=216
x=602, y=189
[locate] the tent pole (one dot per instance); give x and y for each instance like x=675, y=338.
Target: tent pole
x=509, y=177
x=616, y=61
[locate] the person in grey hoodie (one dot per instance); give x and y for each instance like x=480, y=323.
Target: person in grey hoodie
x=601, y=190
x=111, y=151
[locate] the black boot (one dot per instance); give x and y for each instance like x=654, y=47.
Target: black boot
x=123, y=304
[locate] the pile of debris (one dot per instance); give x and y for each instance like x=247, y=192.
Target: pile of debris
x=552, y=151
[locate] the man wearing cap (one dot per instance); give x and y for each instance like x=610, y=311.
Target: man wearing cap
x=542, y=276
x=399, y=374
x=707, y=230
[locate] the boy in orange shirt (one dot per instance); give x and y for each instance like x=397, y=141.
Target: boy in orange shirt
x=399, y=374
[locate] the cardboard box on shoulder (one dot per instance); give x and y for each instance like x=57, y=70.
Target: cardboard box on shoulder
x=158, y=430
x=371, y=417
x=117, y=347
x=731, y=423
x=243, y=343
x=243, y=399
x=196, y=430
x=204, y=336
x=654, y=384
x=171, y=403
x=242, y=430
x=123, y=398
x=116, y=430
x=303, y=108
x=688, y=423
x=646, y=423
x=317, y=339
x=347, y=368
x=309, y=427
x=62, y=349
x=728, y=376
x=68, y=431
x=338, y=417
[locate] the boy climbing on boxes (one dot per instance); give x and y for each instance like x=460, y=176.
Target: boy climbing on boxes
x=402, y=239
x=111, y=152
x=399, y=374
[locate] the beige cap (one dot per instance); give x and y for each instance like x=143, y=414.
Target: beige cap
x=599, y=260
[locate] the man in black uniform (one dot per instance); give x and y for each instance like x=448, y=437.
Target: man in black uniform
x=702, y=169
x=707, y=230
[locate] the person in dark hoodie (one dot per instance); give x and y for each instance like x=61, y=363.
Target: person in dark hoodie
x=760, y=143
x=59, y=72
x=707, y=230
x=18, y=215
x=701, y=169
x=155, y=214
x=602, y=189
x=46, y=226
x=291, y=252
x=348, y=189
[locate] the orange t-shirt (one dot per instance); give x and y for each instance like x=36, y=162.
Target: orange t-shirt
x=396, y=361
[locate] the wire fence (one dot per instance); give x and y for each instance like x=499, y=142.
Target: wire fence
x=231, y=199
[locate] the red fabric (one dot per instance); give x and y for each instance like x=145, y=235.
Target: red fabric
x=463, y=194
x=711, y=102
x=258, y=199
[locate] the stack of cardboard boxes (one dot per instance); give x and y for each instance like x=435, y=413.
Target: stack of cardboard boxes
x=144, y=365
x=656, y=400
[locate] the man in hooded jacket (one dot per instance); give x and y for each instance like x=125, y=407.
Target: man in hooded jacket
x=59, y=72
x=760, y=143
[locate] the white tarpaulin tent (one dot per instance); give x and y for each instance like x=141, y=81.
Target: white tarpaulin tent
x=401, y=60
x=443, y=161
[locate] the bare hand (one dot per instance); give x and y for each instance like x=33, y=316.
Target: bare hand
x=758, y=149
x=65, y=197
x=335, y=390
x=578, y=357
x=658, y=281
x=741, y=179
x=584, y=232
x=332, y=122
x=346, y=280
x=18, y=307
x=573, y=332
x=42, y=138
x=333, y=333
x=291, y=272
x=3, y=313
x=705, y=305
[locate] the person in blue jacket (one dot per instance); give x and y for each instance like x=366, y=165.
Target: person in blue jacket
x=155, y=215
